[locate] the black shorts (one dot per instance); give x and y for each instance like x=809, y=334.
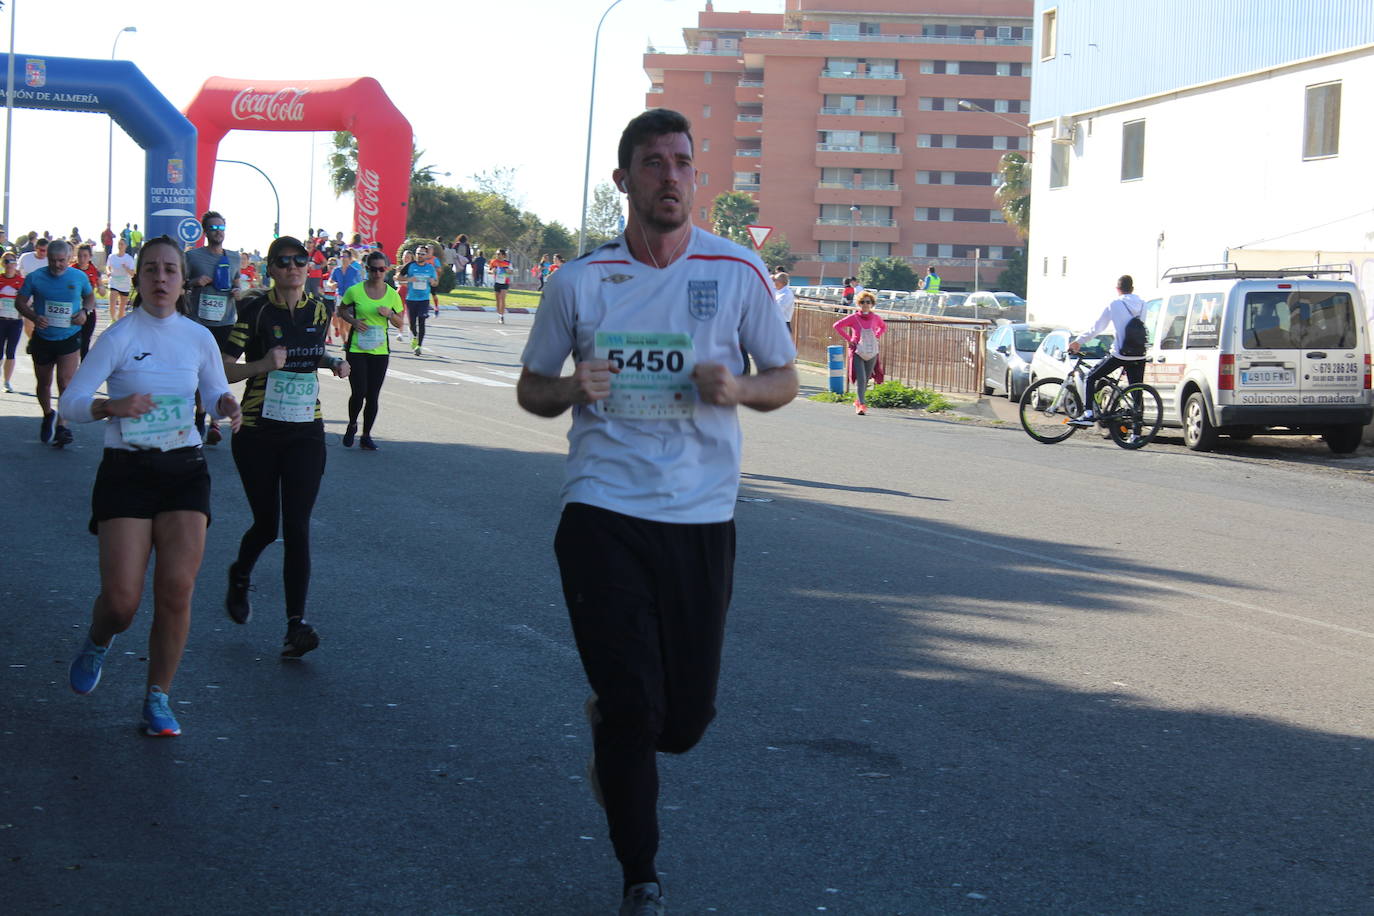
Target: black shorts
x=45, y=352
x=146, y=482
x=418, y=307
x=500, y=287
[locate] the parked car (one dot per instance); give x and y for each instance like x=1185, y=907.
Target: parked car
x=1006, y=363
x=1052, y=360
x=1276, y=351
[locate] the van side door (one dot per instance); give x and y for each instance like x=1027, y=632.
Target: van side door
x=1165, y=365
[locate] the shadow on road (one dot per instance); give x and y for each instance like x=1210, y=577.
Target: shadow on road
x=905, y=726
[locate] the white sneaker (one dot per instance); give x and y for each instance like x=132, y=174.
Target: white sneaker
x=1086, y=418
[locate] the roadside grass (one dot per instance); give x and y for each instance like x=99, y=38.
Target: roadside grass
x=892, y=393
x=466, y=295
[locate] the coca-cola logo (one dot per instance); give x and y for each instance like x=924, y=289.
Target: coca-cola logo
x=282, y=105
x=367, y=197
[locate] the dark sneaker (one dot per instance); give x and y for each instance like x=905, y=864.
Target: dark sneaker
x=348, y=435
x=300, y=639
x=85, y=670
x=213, y=435
x=366, y=444
x=45, y=431
x=236, y=599
x=63, y=436
x=158, y=720
x=643, y=900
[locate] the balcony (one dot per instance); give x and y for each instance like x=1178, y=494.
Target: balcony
x=844, y=82
x=842, y=192
x=829, y=155
x=861, y=119
x=748, y=127
x=890, y=39
x=749, y=92
x=747, y=186
x=747, y=160
x=860, y=230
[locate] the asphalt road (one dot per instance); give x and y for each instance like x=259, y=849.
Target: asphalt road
x=965, y=673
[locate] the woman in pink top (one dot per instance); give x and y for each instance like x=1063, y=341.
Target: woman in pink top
x=861, y=331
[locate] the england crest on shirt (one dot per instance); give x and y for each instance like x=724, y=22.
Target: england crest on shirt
x=35, y=73
x=702, y=299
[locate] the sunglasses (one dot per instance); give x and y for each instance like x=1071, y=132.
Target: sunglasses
x=288, y=260
x=214, y=228
x=376, y=268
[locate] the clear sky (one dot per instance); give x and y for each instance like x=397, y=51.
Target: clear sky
x=484, y=85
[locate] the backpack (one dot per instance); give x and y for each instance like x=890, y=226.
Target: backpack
x=1133, y=338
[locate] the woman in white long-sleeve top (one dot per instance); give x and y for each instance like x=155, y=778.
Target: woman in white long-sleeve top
x=152, y=491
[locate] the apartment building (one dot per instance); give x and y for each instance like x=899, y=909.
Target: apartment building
x=862, y=128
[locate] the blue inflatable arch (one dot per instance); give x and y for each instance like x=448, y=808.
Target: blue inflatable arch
x=119, y=89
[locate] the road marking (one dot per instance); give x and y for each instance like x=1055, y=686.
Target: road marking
x=475, y=379
x=546, y=641
x=407, y=377
x=504, y=373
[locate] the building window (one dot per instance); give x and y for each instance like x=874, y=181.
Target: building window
x=706, y=145
x=1132, y=150
x=706, y=77
x=705, y=178
x=1321, y=134
x=706, y=111
x=1049, y=33
x=1059, y=165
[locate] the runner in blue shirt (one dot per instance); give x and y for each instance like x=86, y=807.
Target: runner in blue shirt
x=58, y=300
x=421, y=277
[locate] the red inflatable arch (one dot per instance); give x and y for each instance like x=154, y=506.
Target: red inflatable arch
x=356, y=105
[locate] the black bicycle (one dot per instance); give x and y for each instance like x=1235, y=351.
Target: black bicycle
x=1131, y=413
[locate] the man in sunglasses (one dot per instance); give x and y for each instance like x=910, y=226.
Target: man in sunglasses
x=211, y=296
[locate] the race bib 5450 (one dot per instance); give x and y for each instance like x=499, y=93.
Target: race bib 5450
x=654, y=382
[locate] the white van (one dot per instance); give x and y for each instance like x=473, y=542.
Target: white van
x=1239, y=352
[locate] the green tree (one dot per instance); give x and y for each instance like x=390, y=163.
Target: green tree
x=731, y=214
x=1014, y=193
x=887, y=273
x=777, y=254
x=557, y=239
x=604, y=215
x=1013, y=278
x=343, y=163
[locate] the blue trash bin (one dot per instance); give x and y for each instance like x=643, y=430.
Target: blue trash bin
x=836, y=359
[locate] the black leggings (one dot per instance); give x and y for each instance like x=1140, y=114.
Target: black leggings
x=417, y=324
x=366, y=373
x=281, y=471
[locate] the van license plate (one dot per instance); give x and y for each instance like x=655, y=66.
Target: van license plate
x=1267, y=377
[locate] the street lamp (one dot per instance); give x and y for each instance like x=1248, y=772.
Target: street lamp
x=854, y=212
x=971, y=106
x=276, y=227
x=591, y=107
x=109, y=185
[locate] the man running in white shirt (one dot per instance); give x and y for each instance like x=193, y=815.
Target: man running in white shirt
x=654, y=321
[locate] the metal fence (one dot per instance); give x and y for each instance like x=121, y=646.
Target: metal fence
x=915, y=352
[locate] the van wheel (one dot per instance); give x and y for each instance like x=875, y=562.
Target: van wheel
x=1198, y=432
x=1344, y=439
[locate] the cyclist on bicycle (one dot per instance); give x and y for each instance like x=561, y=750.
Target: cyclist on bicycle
x=1125, y=314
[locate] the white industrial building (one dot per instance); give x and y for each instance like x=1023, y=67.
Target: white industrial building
x=1175, y=133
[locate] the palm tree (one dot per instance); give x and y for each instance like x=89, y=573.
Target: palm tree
x=1014, y=193
x=343, y=165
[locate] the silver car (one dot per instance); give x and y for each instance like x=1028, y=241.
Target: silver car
x=1052, y=360
x=1006, y=364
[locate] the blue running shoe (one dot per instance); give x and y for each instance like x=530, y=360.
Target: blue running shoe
x=158, y=720
x=85, y=670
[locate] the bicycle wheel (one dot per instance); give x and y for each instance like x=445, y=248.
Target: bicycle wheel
x=1046, y=408
x=1135, y=416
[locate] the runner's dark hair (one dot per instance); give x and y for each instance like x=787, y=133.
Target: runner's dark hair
x=148, y=245
x=653, y=123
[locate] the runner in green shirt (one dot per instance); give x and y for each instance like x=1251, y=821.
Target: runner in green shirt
x=367, y=308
